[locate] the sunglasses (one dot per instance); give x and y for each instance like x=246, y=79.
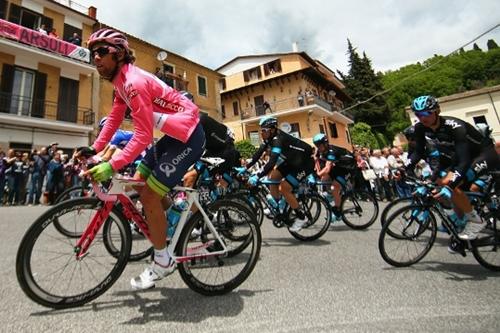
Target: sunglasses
x=102, y=51
x=423, y=114
x=265, y=130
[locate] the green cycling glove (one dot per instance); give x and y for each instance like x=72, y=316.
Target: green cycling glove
x=102, y=172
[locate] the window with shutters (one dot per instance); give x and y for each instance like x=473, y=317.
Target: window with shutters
x=202, y=85
x=22, y=91
x=252, y=74
x=67, y=105
x=333, y=130
x=3, y=9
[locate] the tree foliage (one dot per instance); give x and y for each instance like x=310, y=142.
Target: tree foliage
x=361, y=134
x=245, y=148
x=438, y=76
x=361, y=84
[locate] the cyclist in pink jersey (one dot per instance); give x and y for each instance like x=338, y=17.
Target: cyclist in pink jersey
x=153, y=104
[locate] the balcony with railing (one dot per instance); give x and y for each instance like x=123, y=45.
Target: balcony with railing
x=294, y=105
x=12, y=34
x=29, y=109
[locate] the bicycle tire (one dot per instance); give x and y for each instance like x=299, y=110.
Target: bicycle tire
x=64, y=196
x=316, y=209
x=71, y=193
x=141, y=246
x=391, y=206
x=37, y=259
x=234, y=258
x=486, y=249
x=358, y=200
x=410, y=231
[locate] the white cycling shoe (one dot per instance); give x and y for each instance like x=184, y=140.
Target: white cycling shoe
x=151, y=274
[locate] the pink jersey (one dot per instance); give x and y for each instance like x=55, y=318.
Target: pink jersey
x=154, y=105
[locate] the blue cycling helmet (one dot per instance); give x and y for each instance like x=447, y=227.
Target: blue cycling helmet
x=320, y=138
x=425, y=103
x=268, y=122
x=102, y=122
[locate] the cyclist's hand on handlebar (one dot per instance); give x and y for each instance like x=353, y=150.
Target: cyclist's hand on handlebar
x=421, y=191
x=444, y=193
x=85, y=152
x=240, y=170
x=253, y=180
x=101, y=172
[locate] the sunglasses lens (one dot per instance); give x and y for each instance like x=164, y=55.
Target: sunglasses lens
x=423, y=114
x=101, y=51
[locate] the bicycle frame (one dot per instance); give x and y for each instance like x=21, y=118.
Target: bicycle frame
x=117, y=193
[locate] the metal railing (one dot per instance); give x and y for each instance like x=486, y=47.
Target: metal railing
x=289, y=104
x=38, y=108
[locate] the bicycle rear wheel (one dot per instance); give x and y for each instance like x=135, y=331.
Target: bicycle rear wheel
x=71, y=230
x=141, y=246
x=317, y=211
x=210, y=274
x=46, y=265
x=415, y=237
x=359, y=209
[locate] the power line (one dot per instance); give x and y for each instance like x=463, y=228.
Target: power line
x=423, y=70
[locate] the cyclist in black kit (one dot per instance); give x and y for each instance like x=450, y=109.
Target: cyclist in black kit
x=333, y=163
x=297, y=164
x=474, y=155
x=219, y=142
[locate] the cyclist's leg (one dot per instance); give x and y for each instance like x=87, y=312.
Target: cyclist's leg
x=488, y=160
x=275, y=175
x=163, y=170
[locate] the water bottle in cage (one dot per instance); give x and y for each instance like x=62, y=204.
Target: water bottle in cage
x=179, y=205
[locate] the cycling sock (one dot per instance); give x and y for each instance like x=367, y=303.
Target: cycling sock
x=162, y=257
x=299, y=213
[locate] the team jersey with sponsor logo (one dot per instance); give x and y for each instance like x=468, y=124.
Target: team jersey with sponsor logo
x=291, y=150
x=153, y=104
x=335, y=154
x=455, y=138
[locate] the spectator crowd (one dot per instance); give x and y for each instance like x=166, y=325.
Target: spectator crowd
x=37, y=177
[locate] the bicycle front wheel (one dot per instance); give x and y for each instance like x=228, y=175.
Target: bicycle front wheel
x=416, y=230
x=47, y=268
x=359, y=209
x=486, y=248
x=204, y=264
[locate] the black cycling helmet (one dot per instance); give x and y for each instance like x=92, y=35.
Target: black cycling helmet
x=187, y=94
x=409, y=132
x=102, y=122
x=268, y=122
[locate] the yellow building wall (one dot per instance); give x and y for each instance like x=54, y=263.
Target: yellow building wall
x=289, y=63
x=52, y=90
x=58, y=20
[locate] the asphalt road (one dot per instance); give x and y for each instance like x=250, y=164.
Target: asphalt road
x=337, y=284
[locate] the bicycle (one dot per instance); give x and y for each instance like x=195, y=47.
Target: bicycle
x=309, y=200
x=409, y=234
x=354, y=204
x=44, y=255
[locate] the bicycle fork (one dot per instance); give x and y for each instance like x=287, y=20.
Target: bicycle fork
x=92, y=229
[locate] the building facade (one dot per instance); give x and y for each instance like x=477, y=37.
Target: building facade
x=302, y=93
x=475, y=106
x=47, y=82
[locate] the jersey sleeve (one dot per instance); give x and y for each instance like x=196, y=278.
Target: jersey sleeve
x=142, y=115
x=113, y=121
